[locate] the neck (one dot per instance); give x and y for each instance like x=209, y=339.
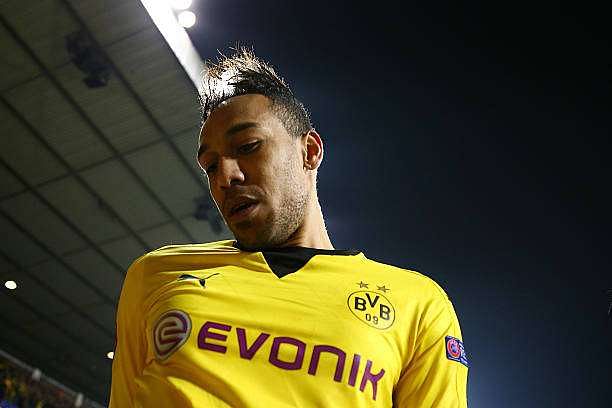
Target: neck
x=312, y=233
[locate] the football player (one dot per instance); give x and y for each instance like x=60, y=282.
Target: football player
x=277, y=317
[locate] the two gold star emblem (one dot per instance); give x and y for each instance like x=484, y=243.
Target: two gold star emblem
x=365, y=285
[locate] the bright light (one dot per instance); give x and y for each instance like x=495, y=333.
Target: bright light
x=10, y=285
x=180, y=4
x=36, y=374
x=175, y=35
x=110, y=355
x=187, y=18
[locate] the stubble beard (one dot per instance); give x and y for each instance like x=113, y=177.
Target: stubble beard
x=282, y=222
x=289, y=218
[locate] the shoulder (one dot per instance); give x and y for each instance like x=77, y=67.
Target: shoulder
x=148, y=270
x=215, y=247
x=172, y=255
x=186, y=250
x=407, y=281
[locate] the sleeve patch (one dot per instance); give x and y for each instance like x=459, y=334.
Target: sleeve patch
x=455, y=350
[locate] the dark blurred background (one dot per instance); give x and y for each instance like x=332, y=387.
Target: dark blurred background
x=467, y=142
x=470, y=143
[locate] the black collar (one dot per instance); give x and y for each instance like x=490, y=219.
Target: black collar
x=285, y=260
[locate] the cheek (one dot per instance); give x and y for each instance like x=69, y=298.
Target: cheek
x=268, y=179
x=276, y=174
x=288, y=179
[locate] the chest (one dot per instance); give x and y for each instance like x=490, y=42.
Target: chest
x=317, y=317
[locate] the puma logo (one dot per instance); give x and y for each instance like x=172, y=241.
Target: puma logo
x=201, y=280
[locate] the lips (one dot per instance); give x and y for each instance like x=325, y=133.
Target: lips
x=238, y=204
x=243, y=213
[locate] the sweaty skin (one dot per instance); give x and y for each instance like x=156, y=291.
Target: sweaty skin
x=246, y=151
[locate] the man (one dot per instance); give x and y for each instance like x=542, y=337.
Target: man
x=277, y=317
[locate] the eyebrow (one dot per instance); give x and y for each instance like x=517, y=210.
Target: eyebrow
x=239, y=127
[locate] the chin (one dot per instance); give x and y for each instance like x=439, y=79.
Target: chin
x=248, y=245
x=254, y=241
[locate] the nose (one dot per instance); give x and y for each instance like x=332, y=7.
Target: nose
x=228, y=173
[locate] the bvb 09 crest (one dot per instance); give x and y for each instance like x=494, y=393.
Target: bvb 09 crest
x=372, y=308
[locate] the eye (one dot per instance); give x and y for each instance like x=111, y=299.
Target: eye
x=249, y=147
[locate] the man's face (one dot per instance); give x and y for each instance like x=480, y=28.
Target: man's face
x=250, y=159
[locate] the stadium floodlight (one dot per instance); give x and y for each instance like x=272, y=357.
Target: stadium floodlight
x=165, y=19
x=187, y=18
x=110, y=355
x=10, y=284
x=180, y=4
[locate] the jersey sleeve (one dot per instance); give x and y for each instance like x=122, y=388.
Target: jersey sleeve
x=436, y=375
x=130, y=346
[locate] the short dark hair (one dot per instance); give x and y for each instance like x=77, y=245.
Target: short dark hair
x=244, y=73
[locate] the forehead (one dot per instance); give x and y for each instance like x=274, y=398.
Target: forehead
x=251, y=108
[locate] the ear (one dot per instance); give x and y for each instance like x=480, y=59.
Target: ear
x=312, y=149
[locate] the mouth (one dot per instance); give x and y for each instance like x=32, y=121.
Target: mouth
x=242, y=210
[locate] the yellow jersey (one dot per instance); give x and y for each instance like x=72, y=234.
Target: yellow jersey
x=211, y=325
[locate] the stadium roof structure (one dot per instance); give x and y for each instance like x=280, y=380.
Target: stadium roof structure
x=98, y=123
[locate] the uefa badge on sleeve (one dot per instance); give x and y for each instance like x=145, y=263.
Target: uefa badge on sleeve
x=455, y=350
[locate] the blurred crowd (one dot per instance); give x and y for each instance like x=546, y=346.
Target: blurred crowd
x=19, y=390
